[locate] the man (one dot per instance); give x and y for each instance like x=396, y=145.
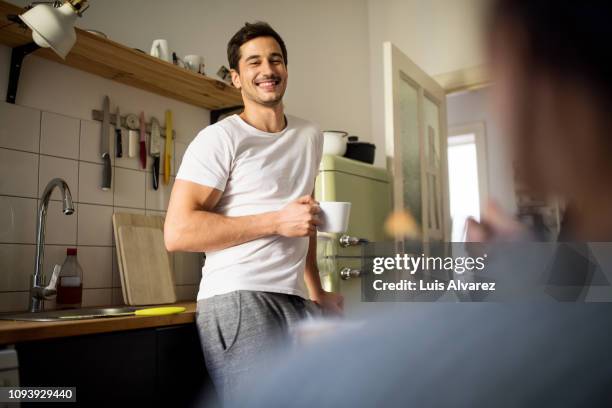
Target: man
x=243, y=195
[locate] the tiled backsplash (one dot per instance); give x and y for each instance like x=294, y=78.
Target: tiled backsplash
x=36, y=146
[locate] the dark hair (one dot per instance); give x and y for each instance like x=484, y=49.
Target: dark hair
x=567, y=38
x=248, y=32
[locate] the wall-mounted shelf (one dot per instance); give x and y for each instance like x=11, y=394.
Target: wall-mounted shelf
x=115, y=61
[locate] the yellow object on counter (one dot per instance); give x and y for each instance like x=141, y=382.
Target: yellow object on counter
x=168, y=149
x=159, y=311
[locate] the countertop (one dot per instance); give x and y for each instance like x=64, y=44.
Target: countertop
x=19, y=331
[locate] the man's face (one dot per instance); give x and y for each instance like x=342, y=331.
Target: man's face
x=262, y=75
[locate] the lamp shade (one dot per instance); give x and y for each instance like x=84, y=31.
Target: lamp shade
x=52, y=27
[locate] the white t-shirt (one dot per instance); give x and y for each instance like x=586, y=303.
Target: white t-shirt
x=258, y=172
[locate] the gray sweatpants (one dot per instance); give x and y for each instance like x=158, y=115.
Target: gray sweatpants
x=239, y=328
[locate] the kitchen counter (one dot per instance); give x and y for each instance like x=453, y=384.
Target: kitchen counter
x=20, y=331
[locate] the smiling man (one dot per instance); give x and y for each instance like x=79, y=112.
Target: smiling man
x=243, y=195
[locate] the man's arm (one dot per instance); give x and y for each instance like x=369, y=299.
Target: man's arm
x=311, y=273
x=192, y=226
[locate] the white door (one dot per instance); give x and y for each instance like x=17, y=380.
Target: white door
x=416, y=144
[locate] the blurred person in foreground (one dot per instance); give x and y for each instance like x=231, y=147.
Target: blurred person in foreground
x=553, y=92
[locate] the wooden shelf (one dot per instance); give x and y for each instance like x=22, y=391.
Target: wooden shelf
x=115, y=61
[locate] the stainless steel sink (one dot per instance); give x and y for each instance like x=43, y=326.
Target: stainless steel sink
x=70, y=314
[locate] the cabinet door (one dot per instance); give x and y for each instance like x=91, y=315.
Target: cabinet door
x=109, y=367
x=182, y=379
x=415, y=139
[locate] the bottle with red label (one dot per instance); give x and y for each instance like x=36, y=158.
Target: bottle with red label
x=70, y=283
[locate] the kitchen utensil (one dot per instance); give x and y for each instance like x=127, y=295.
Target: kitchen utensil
x=194, y=63
x=146, y=265
x=155, y=151
x=361, y=151
x=133, y=123
x=334, y=142
x=143, y=143
x=150, y=311
x=132, y=143
x=105, y=146
x=177, y=61
x=334, y=216
x=159, y=49
x=118, y=143
x=168, y=149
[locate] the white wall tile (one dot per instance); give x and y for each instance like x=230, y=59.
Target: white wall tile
x=140, y=211
x=97, y=266
x=20, y=127
x=129, y=188
x=179, y=152
x=54, y=255
x=155, y=212
x=116, y=275
x=59, y=135
x=96, y=297
x=61, y=228
x=18, y=173
x=90, y=180
x=90, y=143
x=95, y=225
x=18, y=220
x=16, y=266
x=14, y=301
x=158, y=199
x=52, y=167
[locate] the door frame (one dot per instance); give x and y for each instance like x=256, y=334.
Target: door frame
x=465, y=79
x=395, y=63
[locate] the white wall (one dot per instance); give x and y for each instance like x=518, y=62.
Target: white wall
x=335, y=47
x=440, y=36
x=327, y=44
x=471, y=106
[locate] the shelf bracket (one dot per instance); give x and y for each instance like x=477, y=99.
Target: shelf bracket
x=17, y=55
x=215, y=114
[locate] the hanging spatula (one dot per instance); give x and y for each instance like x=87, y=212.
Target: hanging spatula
x=168, y=149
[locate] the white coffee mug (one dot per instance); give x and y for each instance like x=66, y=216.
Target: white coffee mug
x=160, y=50
x=334, y=216
x=194, y=63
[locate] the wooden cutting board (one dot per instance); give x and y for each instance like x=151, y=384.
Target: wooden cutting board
x=144, y=264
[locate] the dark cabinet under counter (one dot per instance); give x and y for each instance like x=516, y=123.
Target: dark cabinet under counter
x=157, y=366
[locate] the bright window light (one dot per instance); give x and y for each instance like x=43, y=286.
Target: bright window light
x=463, y=183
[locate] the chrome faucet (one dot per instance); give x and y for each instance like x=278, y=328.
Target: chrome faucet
x=38, y=291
